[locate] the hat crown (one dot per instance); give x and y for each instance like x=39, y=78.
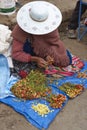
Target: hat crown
x=38, y=12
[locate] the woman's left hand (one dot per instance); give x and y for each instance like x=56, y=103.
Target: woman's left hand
x=49, y=60
x=42, y=63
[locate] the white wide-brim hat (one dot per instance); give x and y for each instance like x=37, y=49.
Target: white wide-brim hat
x=39, y=17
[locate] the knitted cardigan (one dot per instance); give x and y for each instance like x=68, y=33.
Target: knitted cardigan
x=43, y=45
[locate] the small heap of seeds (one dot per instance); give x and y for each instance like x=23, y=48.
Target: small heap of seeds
x=56, y=100
x=72, y=90
x=82, y=75
x=41, y=109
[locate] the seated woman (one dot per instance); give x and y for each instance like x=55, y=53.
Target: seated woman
x=36, y=37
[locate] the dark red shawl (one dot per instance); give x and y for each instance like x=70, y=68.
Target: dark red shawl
x=44, y=45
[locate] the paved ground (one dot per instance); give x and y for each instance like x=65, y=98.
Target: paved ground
x=74, y=114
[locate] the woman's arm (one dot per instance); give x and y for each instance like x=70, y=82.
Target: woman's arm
x=18, y=53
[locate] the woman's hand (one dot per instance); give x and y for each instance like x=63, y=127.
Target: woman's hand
x=49, y=60
x=40, y=61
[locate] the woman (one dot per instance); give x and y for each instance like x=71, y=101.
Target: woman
x=36, y=38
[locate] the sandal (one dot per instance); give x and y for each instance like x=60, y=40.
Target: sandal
x=71, y=34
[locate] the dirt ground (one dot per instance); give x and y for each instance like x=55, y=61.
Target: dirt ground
x=74, y=114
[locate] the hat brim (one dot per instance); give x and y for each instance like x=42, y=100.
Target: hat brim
x=31, y=26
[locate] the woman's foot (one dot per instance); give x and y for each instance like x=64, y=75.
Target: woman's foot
x=71, y=34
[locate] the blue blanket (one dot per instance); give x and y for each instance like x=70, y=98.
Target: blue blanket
x=24, y=107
